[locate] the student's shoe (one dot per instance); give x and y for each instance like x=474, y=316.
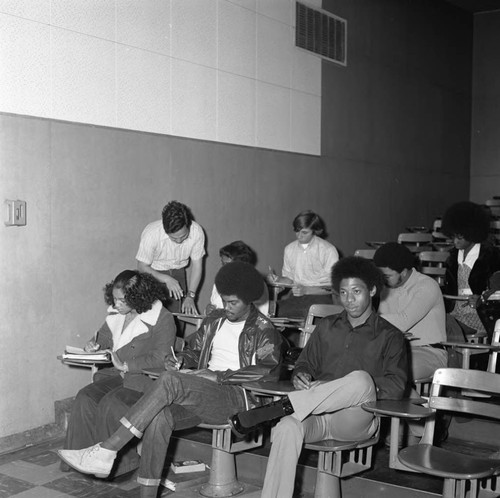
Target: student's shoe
x=93, y=460
x=245, y=422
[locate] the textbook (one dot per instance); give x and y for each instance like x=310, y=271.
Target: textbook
x=178, y=482
x=185, y=466
x=78, y=354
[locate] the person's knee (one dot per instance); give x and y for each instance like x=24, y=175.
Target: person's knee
x=362, y=382
x=288, y=428
x=168, y=378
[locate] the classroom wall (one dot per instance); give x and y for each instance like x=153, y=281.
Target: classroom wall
x=222, y=70
x=395, y=152
x=485, y=151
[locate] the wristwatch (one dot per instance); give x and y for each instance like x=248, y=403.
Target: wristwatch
x=191, y=294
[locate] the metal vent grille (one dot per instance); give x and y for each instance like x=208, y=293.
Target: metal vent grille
x=321, y=33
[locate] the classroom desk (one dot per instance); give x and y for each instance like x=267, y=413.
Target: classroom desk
x=469, y=348
x=269, y=388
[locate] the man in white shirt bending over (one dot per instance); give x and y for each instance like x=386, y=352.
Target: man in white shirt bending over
x=166, y=248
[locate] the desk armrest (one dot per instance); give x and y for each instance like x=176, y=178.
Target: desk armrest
x=404, y=408
x=270, y=388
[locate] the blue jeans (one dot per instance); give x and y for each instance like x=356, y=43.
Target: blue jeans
x=158, y=413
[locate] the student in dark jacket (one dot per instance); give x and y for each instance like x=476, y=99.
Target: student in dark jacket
x=241, y=345
x=139, y=332
x=471, y=263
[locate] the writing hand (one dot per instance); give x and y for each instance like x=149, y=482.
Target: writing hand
x=302, y=381
x=173, y=363
x=91, y=346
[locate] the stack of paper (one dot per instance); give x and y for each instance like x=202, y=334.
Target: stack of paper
x=79, y=355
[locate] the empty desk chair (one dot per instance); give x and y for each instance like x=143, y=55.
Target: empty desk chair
x=365, y=253
x=461, y=473
x=416, y=242
x=432, y=264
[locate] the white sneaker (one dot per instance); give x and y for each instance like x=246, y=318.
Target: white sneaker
x=93, y=460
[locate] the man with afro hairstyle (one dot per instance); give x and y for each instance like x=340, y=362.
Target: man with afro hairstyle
x=166, y=248
x=351, y=358
x=240, y=346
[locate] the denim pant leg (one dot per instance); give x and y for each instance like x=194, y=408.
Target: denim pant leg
x=212, y=402
x=156, y=440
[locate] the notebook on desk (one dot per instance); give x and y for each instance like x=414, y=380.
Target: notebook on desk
x=76, y=355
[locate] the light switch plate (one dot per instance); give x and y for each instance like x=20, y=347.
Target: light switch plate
x=16, y=213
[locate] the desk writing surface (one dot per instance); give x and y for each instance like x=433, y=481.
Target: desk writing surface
x=188, y=315
x=153, y=372
x=407, y=408
x=455, y=298
x=279, y=387
x=471, y=345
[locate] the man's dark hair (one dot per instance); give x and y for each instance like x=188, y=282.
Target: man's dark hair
x=309, y=219
x=176, y=216
x=467, y=219
x=395, y=256
x=140, y=290
x=357, y=267
x=239, y=251
x=241, y=280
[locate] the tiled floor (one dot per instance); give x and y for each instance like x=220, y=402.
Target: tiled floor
x=34, y=473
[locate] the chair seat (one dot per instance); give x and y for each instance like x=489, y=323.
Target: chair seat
x=330, y=445
x=443, y=463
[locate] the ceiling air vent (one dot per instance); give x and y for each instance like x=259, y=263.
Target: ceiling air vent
x=322, y=33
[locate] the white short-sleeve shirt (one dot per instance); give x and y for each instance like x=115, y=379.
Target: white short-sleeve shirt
x=157, y=250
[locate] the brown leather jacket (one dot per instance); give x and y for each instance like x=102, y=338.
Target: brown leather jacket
x=259, y=349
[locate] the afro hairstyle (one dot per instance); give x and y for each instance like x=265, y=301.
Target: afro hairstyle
x=357, y=267
x=395, y=256
x=467, y=219
x=239, y=279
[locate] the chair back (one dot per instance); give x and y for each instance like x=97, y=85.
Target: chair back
x=461, y=380
x=495, y=341
x=432, y=264
x=365, y=253
x=317, y=311
x=416, y=241
x=322, y=310
x=495, y=231
x=493, y=202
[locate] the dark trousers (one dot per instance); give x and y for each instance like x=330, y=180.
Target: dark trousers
x=173, y=305
x=95, y=415
x=155, y=414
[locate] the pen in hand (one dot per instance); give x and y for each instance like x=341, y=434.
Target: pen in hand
x=177, y=362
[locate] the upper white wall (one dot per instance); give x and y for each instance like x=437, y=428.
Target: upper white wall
x=221, y=70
